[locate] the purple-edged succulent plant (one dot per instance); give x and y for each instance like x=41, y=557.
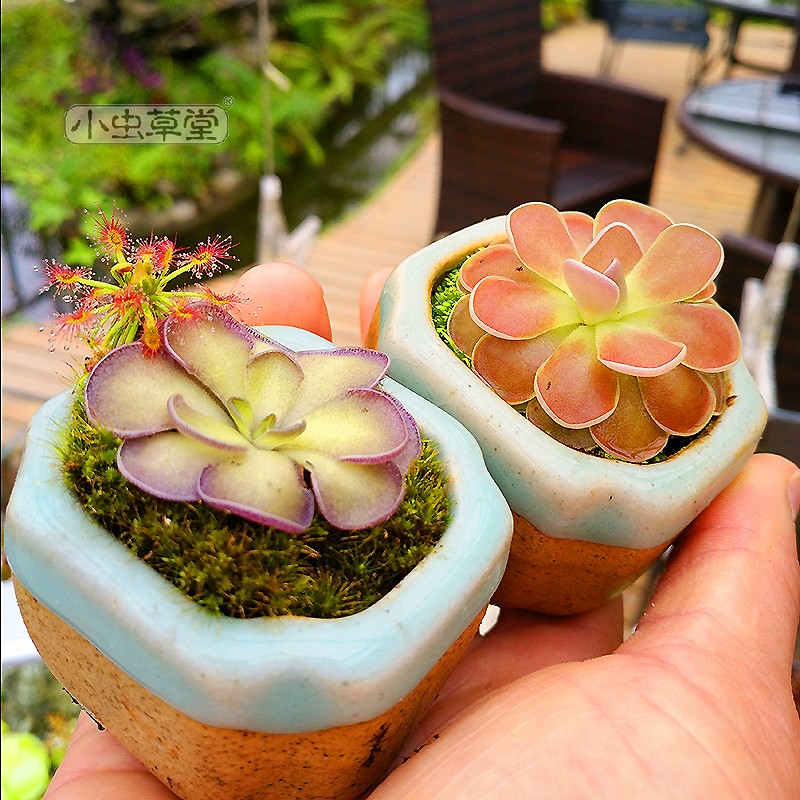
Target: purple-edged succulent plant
x=224, y=415
x=603, y=328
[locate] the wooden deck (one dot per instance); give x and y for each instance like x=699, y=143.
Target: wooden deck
x=690, y=186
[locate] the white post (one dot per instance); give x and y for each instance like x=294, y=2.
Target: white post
x=763, y=304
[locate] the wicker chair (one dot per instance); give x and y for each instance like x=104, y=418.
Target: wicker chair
x=513, y=132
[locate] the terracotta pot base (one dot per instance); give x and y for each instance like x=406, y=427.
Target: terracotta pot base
x=202, y=762
x=566, y=576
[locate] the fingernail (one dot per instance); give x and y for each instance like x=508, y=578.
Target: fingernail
x=794, y=492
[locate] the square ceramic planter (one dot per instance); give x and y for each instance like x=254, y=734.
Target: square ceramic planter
x=585, y=527
x=222, y=708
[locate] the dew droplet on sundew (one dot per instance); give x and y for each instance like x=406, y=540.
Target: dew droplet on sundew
x=41, y=329
x=52, y=348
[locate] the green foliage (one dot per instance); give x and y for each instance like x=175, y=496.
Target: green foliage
x=38, y=719
x=240, y=569
x=25, y=766
x=558, y=12
x=325, y=51
x=55, y=55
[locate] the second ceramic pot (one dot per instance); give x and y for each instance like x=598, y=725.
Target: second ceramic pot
x=585, y=527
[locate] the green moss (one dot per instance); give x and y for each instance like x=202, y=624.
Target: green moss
x=237, y=568
x=444, y=296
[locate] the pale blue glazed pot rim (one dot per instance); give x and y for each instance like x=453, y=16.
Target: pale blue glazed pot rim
x=281, y=675
x=564, y=493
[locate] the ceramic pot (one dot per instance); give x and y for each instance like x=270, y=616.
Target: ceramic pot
x=278, y=708
x=585, y=527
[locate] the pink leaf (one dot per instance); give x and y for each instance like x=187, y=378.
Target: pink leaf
x=596, y=294
x=509, y=367
x=614, y=242
x=512, y=310
x=576, y=438
x=704, y=294
x=630, y=433
x=616, y=272
x=682, y=261
x=636, y=351
x=679, y=401
x=720, y=386
x=709, y=332
x=645, y=222
x=574, y=388
x=499, y=259
x=462, y=329
x=580, y=227
x=542, y=241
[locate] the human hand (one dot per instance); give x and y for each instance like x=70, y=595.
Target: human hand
x=696, y=702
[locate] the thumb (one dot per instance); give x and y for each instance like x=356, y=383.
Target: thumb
x=732, y=587
x=280, y=293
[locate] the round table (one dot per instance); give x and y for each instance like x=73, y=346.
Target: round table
x=756, y=125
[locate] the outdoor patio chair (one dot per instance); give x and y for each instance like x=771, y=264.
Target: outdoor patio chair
x=657, y=21
x=513, y=132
